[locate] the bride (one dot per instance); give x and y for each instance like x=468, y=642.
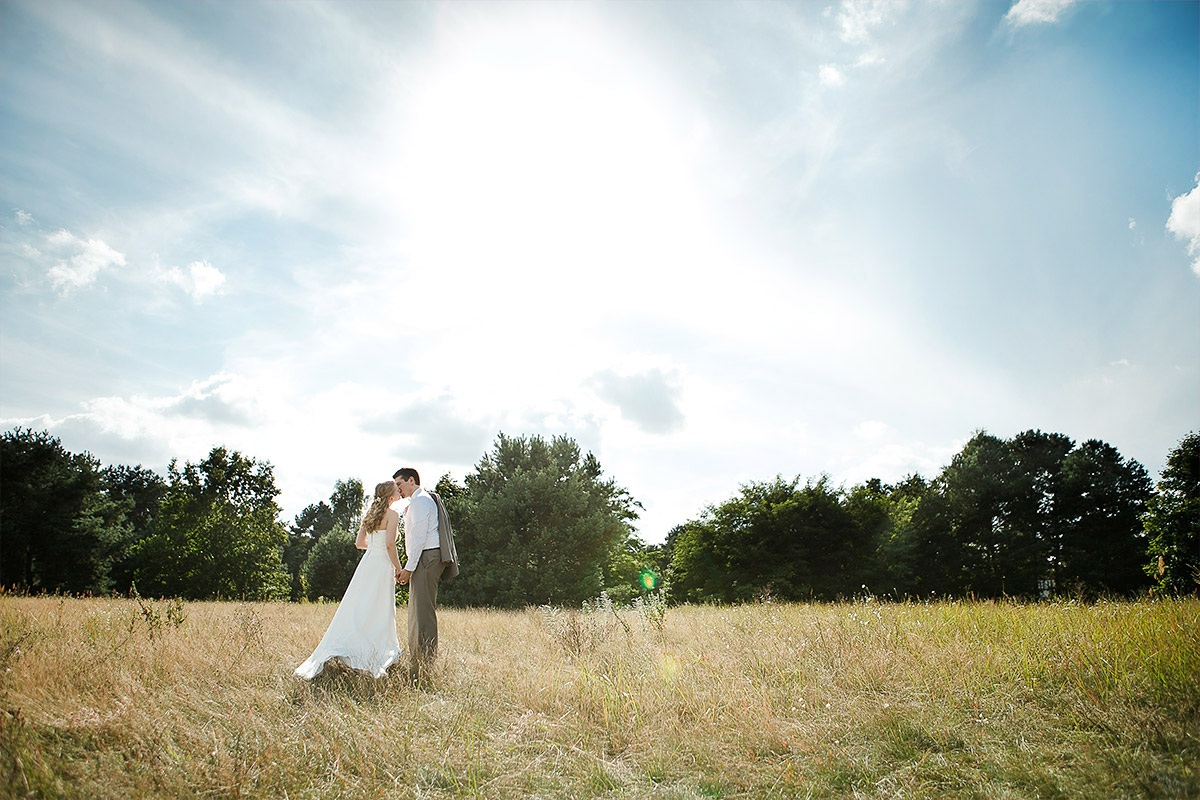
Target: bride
x=362, y=634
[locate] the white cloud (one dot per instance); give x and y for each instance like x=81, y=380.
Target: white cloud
x=201, y=279
x=1184, y=222
x=892, y=461
x=650, y=400
x=1036, y=12
x=223, y=399
x=871, y=430
x=220, y=401
x=831, y=75
x=1132, y=223
x=311, y=439
x=857, y=17
x=79, y=261
x=24, y=218
x=434, y=428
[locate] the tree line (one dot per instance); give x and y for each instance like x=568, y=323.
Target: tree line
x=538, y=522
x=1030, y=516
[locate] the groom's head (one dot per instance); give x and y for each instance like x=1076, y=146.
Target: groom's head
x=407, y=480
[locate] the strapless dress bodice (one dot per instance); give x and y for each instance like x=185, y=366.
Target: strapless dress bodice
x=377, y=540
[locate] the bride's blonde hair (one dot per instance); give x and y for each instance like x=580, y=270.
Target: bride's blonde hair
x=373, y=520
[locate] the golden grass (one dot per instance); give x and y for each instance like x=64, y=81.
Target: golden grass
x=105, y=698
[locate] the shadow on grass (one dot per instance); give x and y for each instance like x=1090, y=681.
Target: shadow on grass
x=338, y=682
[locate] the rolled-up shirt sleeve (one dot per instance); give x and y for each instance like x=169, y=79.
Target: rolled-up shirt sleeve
x=420, y=528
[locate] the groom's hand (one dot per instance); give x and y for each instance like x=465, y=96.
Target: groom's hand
x=402, y=576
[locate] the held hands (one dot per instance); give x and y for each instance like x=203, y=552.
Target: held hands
x=402, y=576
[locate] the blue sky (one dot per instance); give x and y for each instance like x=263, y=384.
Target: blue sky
x=713, y=242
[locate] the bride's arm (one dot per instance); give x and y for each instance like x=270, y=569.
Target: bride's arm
x=360, y=541
x=393, y=523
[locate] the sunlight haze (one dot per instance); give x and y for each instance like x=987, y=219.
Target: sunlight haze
x=712, y=242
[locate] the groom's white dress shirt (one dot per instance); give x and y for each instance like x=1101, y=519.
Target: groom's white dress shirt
x=420, y=527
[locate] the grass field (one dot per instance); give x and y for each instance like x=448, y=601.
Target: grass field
x=115, y=699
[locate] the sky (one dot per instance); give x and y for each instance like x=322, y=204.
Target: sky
x=711, y=242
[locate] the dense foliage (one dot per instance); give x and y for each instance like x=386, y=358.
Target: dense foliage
x=320, y=554
x=216, y=534
x=330, y=564
x=1173, y=521
x=1025, y=517
x=538, y=522
x=61, y=529
x=774, y=538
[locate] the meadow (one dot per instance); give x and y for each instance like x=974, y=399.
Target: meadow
x=114, y=698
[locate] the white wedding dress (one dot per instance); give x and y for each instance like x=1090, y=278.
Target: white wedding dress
x=362, y=634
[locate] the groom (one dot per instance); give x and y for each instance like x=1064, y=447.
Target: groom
x=431, y=556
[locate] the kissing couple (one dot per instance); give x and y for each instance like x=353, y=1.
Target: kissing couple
x=362, y=634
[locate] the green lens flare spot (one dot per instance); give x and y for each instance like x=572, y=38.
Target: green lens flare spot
x=649, y=579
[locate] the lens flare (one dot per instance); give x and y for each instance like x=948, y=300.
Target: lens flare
x=649, y=579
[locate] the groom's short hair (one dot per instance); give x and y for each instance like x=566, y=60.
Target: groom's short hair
x=404, y=473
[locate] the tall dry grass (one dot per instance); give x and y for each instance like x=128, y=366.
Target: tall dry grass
x=109, y=698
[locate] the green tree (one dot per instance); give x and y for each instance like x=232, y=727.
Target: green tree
x=1172, y=521
x=296, y=551
x=763, y=536
x=933, y=546
x=459, y=505
x=1032, y=521
x=869, y=506
x=1101, y=500
x=344, y=511
x=775, y=538
x=346, y=504
x=1029, y=514
x=536, y=522
x=698, y=571
x=996, y=500
x=896, y=564
x=59, y=530
x=976, y=487
x=217, y=533
x=819, y=527
x=314, y=521
x=140, y=492
x=331, y=563
x=310, y=525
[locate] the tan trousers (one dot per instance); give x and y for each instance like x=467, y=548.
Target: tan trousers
x=422, y=608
